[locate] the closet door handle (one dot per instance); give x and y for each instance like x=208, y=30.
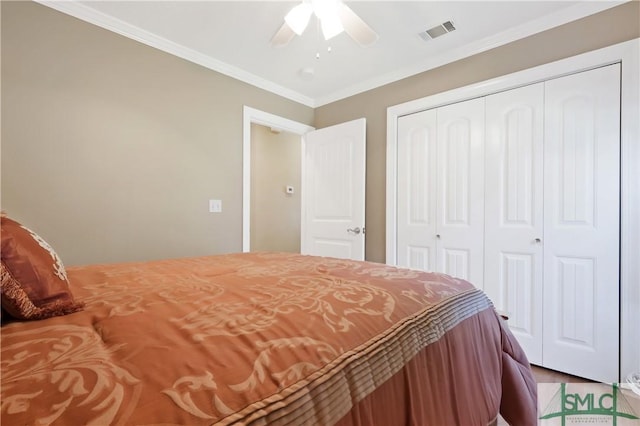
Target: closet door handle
x=538, y=240
x=438, y=236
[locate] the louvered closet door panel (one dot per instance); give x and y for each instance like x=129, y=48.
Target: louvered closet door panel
x=417, y=190
x=513, y=211
x=581, y=214
x=460, y=190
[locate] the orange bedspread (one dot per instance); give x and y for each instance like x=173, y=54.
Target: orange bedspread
x=266, y=338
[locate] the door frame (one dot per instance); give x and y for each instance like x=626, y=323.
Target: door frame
x=626, y=53
x=255, y=116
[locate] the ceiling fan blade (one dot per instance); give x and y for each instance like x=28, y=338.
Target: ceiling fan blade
x=356, y=27
x=283, y=36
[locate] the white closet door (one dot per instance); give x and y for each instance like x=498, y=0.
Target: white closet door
x=416, y=232
x=460, y=190
x=581, y=214
x=513, y=211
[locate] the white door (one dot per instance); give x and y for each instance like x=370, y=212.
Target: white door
x=440, y=225
x=581, y=216
x=513, y=211
x=333, y=191
x=416, y=192
x=460, y=190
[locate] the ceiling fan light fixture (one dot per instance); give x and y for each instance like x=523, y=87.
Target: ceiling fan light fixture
x=325, y=8
x=331, y=26
x=334, y=17
x=298, y=17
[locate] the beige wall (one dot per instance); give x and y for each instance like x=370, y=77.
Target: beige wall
x=111, y=149
x=606, y=28
x=275, y=215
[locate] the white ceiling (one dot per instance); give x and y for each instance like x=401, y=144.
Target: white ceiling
x=232, y=37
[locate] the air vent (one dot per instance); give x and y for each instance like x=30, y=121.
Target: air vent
x=438, y=30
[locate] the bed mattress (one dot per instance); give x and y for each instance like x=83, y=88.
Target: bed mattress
x=265, y=338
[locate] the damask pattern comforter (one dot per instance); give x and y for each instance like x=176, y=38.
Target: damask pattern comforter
x=265, y=338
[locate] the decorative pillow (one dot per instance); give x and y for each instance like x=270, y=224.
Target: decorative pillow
x=34, y=281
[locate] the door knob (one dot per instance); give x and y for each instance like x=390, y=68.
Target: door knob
x=354, y=231
x=538, y=240
x=438, y=236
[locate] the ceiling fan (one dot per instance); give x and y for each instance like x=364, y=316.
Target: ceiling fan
x=334, y=17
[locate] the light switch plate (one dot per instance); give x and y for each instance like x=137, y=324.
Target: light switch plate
x=215, y=206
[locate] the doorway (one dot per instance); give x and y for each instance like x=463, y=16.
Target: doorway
x=333, y=184
x=275, y=188
x=257, y=117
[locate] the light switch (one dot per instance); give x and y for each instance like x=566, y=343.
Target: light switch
x=215, y=206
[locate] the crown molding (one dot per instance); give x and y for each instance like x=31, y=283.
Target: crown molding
x=558, y=18
x=87, y=14
x=92, y=16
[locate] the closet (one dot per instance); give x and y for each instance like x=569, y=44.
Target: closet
x=519, y=193
x=440, y=187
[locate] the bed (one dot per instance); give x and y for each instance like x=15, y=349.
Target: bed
x=256, y=338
